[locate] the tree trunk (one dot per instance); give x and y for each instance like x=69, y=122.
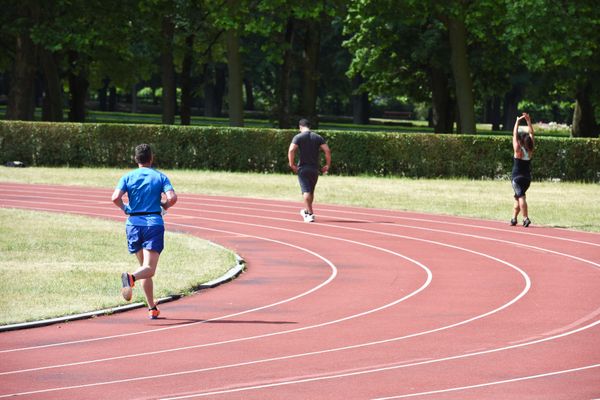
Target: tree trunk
x=248, y=88
x=284, y=88
x=169, y=96
x=360, y=102
x=78, y=88
x=441, y=102
x=103, y=95
x=186, y=82
x=492, y=111
x=52, y=108
x=462, y=74
x=21, y=104
x=214, y=89
x=235, y=95
x=584, y=121
x=511, y=102
x=134, y=98
x=112, y=98
x=312, y=44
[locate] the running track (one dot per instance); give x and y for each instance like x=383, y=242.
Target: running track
x=362, y=304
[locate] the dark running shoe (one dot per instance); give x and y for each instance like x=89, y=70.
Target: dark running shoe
x=526, y=222
x=513, y=221
x=128, y=284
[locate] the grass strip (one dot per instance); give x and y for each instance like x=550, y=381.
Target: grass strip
x=557, y=204
x=53, y=265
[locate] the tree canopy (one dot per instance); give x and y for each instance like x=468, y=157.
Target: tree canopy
x=465, y=62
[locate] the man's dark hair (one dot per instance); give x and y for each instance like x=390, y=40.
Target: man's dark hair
x=304, y=122
x=143, y=154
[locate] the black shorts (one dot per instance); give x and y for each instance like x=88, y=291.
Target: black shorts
x=308, y=176
x=520, y=185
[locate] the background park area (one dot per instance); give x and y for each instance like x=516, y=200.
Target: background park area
x=416, y=99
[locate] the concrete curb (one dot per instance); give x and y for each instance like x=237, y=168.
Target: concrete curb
x=231, y=274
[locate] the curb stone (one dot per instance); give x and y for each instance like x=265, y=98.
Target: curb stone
x=231, y=274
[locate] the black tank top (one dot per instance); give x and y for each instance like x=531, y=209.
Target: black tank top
x=521, y=168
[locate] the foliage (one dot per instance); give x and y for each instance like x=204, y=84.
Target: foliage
x=264, y=150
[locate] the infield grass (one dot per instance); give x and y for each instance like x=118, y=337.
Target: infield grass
x=58, y=264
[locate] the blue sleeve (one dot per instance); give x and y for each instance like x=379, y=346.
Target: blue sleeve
x=122, y=185
x=166, y=184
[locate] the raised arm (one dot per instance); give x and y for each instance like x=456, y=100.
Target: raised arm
x=515, y=140
x=529, y=126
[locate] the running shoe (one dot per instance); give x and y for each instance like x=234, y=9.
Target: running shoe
x=128, y=284
x=153, y=312
x=513, y=221
x=526, y=222
x=304, y=215
x=311, y=218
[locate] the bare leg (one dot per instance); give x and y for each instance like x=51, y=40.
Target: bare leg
x=523, y=206
x=149, y=261
x=516, y=209
x=308, y=201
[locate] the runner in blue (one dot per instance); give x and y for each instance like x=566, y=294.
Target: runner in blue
x=310, y=144
x=145, y=228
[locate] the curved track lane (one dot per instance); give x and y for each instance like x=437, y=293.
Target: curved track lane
x=362, y=304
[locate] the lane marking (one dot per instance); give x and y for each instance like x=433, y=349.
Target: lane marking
x=486, y=384
x=360, y=210
x=322, y=284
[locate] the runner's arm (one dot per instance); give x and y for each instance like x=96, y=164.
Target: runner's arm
x=327, y=151
x=117, y=199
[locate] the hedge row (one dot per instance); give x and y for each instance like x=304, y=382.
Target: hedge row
x=265, y=150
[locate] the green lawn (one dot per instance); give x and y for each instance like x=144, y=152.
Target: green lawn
x=339, y=124
x=54, y=265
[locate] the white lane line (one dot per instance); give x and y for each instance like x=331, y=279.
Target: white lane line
x=332, y=275
x=471, y=353
x=525, y=290
x=361, y=211
x=493, y=383
x=423, y=286
x=299, y=381
x=520, y=244
x=375, y=370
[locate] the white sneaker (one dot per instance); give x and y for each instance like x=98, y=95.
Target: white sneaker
x=306, y=216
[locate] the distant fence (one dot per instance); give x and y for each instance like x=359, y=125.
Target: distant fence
x=418, y=155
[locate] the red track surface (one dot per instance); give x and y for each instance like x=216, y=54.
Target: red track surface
x=362, y=304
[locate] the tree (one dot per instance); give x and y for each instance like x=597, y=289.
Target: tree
x=402, y=52
x=20, y=97
x=561, y=39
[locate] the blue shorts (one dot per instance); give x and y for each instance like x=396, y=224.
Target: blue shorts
x=308, y=177
x=520, y=185
x=145, y=237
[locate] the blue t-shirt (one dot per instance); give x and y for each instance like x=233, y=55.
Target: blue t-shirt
x=144, y=187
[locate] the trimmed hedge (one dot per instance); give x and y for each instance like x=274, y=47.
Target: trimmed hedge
x=265, y=150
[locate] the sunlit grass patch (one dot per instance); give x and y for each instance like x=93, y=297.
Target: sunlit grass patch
x=55, y=264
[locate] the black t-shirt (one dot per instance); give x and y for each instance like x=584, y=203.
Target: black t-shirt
x=309, y=144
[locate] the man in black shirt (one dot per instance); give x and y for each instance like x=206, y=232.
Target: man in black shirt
x=309, y=144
